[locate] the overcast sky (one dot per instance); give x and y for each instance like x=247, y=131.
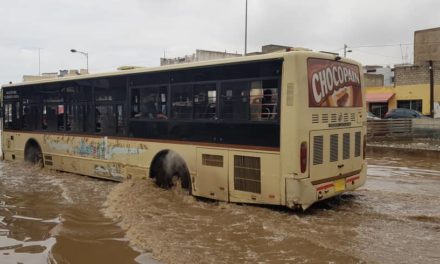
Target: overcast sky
x=138, y=32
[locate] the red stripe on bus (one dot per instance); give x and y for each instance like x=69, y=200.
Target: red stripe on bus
x=322, y=187
x=357, y=177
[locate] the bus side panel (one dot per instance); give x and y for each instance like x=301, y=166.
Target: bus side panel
x=212, y=174
x=254, y=177
x=8, y=146
x=292, y=84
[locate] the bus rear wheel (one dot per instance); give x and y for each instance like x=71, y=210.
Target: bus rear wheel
x=33, y=153
x=167, y=165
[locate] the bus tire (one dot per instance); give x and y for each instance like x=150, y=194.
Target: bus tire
x=156, y=164
x=166, y=165
x=33, y=153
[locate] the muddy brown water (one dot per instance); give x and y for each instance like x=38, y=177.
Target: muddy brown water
x=63, y=218
x=53, y=217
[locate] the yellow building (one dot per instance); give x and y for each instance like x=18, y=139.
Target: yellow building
x=411, y=90
x=411, y=84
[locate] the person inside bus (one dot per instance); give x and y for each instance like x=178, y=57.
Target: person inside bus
x=267, y=106
x=149, y=108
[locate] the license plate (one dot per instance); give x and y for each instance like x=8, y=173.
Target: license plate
x=339, y=185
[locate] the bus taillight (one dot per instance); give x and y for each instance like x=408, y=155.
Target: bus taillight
x=303, y=156
x=365, y=146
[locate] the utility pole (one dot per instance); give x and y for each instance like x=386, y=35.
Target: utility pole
x=431, y=88
x=345, y=50
x=245, y=30
x=39, y=62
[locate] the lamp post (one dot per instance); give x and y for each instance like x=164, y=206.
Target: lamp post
x=83, y=53
x=345, y=50
x=245, y=29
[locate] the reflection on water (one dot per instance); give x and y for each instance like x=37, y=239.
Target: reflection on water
x=51, y=217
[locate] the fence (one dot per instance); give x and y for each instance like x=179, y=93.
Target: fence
x=417, y=127
x=389, y=127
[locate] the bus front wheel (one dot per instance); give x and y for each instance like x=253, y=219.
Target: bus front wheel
x=33, y=153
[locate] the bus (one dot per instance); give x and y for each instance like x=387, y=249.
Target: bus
x=285, y=128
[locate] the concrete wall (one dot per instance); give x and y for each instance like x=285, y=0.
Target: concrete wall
x=204, y=55
x=426, y=45
x=415, y=74
x=386, y=72
x=373, y=80
x=44, y=76
x=200, y=55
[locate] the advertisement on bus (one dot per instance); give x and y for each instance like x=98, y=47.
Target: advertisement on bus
x=333, y=84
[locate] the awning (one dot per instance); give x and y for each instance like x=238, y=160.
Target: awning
x=378, y=97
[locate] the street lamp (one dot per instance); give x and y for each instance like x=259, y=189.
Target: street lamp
x=83, y=53
x=245, y=29
x=345, y=50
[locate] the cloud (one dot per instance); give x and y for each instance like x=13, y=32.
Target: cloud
x=138, y=32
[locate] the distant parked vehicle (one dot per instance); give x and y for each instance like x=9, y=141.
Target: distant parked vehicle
x=403, y=113
x=371, y=116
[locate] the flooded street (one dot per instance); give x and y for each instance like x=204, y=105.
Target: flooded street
x=62, y=218
x=53, y=217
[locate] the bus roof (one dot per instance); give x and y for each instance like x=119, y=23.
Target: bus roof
x=269, y=56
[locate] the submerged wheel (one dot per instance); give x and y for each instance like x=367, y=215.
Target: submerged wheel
x=166, y=165
x=33, y=153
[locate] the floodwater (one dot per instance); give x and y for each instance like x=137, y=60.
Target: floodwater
x=63, y=218
x=53, y=217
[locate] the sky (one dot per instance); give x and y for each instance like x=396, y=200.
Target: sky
x=139, y=32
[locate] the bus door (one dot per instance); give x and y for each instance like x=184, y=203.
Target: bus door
x=11, y=120
x=335, y=154
x=212, y=174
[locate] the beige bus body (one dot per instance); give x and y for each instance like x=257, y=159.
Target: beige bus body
x=282, y=182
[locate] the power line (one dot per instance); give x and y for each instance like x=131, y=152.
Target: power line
x=389, y=45
x=377, y=54
x=380, y=46
x=394, y=45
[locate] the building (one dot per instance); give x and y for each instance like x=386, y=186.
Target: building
x=204, y=55
x=411, y=90
x=412, y=83
x=426, y=45
x=375, y=72
x=269, y=49
x=50, y=75
x=199, y=55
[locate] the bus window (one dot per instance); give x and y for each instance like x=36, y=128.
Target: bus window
x=8, y=115
x=182, y=101
x=110, y=89
x=53, y=117
x=149, y=103
x=76, y=118
x=205, y=101
x=264, y=100
x=120, y=124
x=235, y=100
x=105, y=119
x=256, y=96
x=135, y=107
